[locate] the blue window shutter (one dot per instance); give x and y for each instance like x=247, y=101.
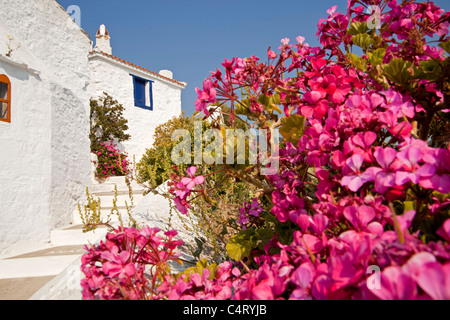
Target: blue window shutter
x=139, y=92
x=150, y=84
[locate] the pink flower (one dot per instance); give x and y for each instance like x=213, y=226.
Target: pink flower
x=410, y=169
x=355, y=181
x=434, y=279
x=192, y=181
x=364, y=142
x=315, y=105
x=395, y=285
x=384, y=177
x=118, y=264
x=208, y=94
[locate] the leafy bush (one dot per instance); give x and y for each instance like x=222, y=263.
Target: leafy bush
x=107, y=121
x=108, y=128
x=216, y=220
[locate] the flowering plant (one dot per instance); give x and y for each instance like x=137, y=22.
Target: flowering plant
x=359, y=207
x=116, y=268
x=111, y=162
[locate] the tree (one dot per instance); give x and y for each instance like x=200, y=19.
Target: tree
x=107, y=121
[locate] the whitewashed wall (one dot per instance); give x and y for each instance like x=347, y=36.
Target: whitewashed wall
x=44, y=151
x=114, y=78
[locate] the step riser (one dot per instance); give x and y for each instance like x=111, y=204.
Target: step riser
x=108, y=201
x=76, y=237
x=111, y=187
x=104, y=215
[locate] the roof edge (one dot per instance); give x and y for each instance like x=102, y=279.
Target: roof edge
x=133, y=66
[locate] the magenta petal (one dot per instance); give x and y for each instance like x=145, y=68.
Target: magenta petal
x=396, y=285
x=385, y=156
x=352, y=182
x=444, y=231
x=186, y=181
x=355, y=162
x=199, y=180
x=366, y=214
x=415, y=264
x=314, y=243
x=302, y=277
x=432, y=280
x=191, y=171
x=351, y=214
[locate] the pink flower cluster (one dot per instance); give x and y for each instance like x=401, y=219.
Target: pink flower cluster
x=253, y=209
x=181, y=188
x=204, y=286
x=111, y=162
x=127, y=264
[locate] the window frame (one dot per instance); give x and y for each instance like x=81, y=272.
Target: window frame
x=138, y=95
x=4, y=79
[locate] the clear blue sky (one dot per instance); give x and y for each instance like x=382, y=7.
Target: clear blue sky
x=192, y=37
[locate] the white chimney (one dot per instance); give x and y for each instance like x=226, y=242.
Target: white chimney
x=166, y=73
x=103, y=42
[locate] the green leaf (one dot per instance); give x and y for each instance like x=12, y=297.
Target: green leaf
x=362, y=40
x=292, y=128
x=376, y=57
x=359, y=63
x=243, y=107
x=430, y=70
x=264, y=237
x=357, y=28
x=237, y=248
x=400, y=72
x=445, y=45
x=276, y=99
x=264, y=100
x=409, y=205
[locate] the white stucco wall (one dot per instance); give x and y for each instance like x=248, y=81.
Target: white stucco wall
x=44, y=157
x=114, y=78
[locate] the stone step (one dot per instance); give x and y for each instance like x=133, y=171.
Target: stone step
x=74, y=236
x=22, y=288
x=38, y=266
x=24, y=275
x=109, y=186
x=107, y=200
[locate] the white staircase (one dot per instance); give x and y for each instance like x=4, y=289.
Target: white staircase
x=44, y=273
x=106, y=192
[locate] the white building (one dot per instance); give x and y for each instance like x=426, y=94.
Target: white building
x=48, y=73
x=149, y=98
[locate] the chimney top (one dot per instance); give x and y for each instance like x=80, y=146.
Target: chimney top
x=102, y=32
x=103, y=42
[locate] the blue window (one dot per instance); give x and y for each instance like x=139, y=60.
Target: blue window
x=143, y=93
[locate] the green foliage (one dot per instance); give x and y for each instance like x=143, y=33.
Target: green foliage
x=215, y=218
x=292, y=128
x=91, y=215
x=240, y=245
x=107, y=121
x=156, y=164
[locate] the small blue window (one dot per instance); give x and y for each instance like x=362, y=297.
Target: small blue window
x=143, y=93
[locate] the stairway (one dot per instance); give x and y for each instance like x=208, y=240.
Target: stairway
x=42, y=274
x=106, y=192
